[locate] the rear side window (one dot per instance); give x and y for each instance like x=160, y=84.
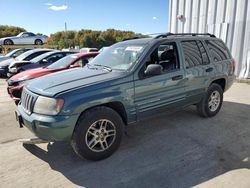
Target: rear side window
x=192, y=53
x=218, y=50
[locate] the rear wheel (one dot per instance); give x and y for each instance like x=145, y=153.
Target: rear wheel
x=8, y=42
x=211, y=103
x=38, y=42
x=98, y=133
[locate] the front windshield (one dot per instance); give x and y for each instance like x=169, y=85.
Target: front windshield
x=24, y=55
x=63, y=63
x=120, y=56
x=20, y=34
x=11, y=53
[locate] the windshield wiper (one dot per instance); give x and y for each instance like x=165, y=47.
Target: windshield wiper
x=103, y=66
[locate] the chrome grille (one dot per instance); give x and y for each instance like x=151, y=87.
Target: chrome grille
x=27, y=101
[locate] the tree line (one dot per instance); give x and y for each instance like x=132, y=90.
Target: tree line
x=7, y=31
x=82, y=38
x=90, y=38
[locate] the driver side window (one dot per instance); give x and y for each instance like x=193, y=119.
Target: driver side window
x=25, y=35
x=166, y=56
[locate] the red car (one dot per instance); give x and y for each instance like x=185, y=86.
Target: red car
x=16, y=82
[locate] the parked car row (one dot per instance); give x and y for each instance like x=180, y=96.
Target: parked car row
x=126, y=83
x=16, y=82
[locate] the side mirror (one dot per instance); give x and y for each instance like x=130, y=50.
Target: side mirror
x=153, y=69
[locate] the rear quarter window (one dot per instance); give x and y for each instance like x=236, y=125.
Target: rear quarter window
x=193, y=53
x=218, y=50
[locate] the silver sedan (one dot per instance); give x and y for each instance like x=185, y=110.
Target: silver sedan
x=24, y=38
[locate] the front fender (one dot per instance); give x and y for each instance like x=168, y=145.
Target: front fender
x=78, y=101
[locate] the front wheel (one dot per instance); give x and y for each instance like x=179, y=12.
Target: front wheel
x=98, y=133
x=211, y=103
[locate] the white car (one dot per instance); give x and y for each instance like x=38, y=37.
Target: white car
x=13, y=53
x=24, y=38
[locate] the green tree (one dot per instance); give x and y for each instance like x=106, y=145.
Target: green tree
x=7, y=31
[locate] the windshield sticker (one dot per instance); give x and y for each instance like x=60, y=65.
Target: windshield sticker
x=133, y=48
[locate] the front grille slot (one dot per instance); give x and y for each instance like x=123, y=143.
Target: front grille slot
x=27, y=101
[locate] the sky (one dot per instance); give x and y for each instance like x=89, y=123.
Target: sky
x=49, y=16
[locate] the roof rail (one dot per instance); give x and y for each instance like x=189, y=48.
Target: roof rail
x=130, y=38
x=183, y=34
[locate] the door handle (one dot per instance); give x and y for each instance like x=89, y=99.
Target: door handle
x=210, y=69
x=179, y=77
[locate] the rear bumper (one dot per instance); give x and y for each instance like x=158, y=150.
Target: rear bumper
x=49, y=128
x=230, y=82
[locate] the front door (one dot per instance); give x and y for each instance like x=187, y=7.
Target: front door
x=158, y=93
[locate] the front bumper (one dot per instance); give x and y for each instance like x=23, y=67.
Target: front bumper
x=49, y=128
x=3, y=71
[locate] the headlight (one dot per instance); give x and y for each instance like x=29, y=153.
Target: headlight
x=48, y=106
x=14, y=70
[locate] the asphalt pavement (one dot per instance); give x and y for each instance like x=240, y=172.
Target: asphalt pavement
x=179, y=149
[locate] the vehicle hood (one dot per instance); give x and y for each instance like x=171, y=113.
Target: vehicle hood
x=18, y=63
x=55, y=83
x=30, y=74
x=6, y=62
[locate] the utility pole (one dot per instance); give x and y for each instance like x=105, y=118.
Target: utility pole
x=65, y=26
x=66, y=42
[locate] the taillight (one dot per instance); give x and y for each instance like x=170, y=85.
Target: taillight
x=233, y=66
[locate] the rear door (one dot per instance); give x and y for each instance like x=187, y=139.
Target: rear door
x=220, y=57
x=158, y=93
x=198, y=69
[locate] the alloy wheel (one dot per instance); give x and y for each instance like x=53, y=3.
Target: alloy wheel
x=100, y=135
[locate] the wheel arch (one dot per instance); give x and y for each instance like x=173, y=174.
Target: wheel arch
x=9, y=40
x=220, y=81
x=117, y=106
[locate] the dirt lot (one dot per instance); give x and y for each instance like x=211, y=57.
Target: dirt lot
x=177, y=150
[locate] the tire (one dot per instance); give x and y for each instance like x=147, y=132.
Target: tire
x=88, y=136
x=8, y=42
x=38, y=42
x=211, y=103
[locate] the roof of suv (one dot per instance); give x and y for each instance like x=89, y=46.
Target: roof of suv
x=195, y=36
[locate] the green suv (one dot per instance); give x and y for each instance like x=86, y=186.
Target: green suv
x=126, y=83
